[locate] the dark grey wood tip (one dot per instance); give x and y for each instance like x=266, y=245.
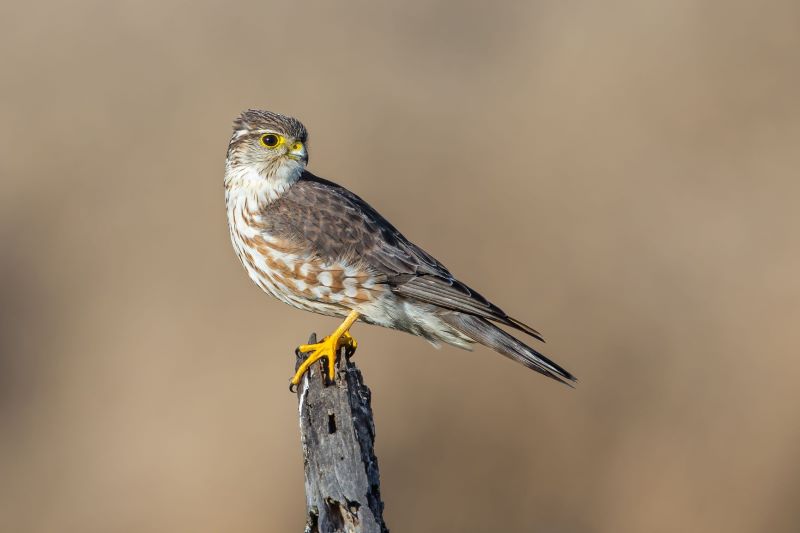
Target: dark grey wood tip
x=337, y=433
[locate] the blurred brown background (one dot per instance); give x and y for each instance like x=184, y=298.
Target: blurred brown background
x=628, y=170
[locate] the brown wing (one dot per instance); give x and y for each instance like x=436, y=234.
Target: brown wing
x=336, y=224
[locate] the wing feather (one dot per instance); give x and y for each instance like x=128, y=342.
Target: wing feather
x=334, y=223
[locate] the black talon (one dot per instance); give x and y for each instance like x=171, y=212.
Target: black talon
x=292, y=388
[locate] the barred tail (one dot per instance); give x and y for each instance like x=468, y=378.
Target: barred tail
x=484, y=332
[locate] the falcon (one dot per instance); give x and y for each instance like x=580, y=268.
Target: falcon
x=318, y=247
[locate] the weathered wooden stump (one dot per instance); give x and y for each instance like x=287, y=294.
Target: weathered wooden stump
x=337, y=433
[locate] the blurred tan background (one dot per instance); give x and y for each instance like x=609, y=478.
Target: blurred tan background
x=628, y=170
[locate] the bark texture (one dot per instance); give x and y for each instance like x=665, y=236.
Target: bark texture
x=337, y=433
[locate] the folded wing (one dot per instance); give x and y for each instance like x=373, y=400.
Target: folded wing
x=336, y=222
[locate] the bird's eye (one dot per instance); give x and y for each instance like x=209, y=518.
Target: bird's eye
x=271, y=140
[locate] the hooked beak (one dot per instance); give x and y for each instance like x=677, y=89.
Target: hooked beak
x=298, y=152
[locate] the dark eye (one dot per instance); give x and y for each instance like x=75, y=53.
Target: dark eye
x=270, y=140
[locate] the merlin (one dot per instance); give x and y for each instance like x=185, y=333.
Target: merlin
x=317, y=246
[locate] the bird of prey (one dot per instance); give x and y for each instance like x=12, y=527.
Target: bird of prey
x=317, y=246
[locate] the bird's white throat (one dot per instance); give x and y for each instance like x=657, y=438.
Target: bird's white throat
x=251, y=187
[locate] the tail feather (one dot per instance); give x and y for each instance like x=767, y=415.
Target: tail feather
x=484, y=332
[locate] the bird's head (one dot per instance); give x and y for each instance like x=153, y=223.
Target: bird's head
x=267, y=150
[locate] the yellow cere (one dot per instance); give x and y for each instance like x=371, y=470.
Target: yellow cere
x=272, y=140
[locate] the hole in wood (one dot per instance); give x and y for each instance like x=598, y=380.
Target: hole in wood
x=335, y=514
x=331, y=423
x=353, y=507
x=312, y=524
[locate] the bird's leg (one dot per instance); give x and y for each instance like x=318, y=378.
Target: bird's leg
x=327, y=348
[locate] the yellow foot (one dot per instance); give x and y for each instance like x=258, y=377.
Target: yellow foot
x=328, y=349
